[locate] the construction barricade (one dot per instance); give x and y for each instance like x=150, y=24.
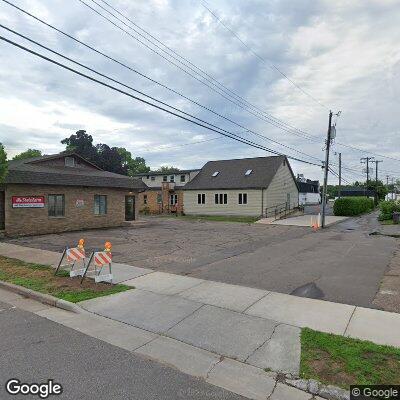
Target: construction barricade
x=97, y=261
x=75, y=258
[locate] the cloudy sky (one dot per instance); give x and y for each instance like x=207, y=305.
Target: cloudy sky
x=340, y=55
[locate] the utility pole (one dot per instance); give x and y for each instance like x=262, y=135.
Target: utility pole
x=376, y=180
x=366, y=160
x=326, y=166
x=392, y=188
x=340, y=175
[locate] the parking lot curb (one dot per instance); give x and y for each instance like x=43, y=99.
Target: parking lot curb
x=41, y=297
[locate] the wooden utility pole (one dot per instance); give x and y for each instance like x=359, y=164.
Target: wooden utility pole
x=366, y=160
x=376, y=180
x=326, y=170
x=340, y=175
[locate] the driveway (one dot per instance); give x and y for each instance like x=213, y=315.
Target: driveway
x=342, y=263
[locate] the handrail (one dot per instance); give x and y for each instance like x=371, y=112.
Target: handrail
x=281, y=207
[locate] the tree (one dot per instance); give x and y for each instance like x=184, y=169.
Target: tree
x=3, y=163
x=167, y=169
x=82, y=144
x=109, y=159
x=30, y=153
x=135, y=165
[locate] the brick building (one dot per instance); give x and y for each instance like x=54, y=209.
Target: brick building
x=163, y=192
x=64, y=192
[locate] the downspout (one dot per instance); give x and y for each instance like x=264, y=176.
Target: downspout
x=262, y=202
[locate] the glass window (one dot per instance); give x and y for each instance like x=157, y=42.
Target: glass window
x=145, y=199
x=153, y=178
x=201, y=198
x=221, y=198
x=225, y=198
x=172, y=178
x=173, y=199
x=165, y=178
x=159, y=198
x=56, y=205
x=242, y=198
x=183, y=178
x=100, y=204
x=248, y=172
x=215, y=173
x=216, y=198
x=69, y=161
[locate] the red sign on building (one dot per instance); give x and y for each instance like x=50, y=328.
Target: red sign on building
x=27, y=201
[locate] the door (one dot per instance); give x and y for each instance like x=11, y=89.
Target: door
x=129, y=208
x=2, y=210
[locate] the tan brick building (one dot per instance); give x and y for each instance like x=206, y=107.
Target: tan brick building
x=64, y=192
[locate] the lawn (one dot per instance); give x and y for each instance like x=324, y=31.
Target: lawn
x=41, y=279
x=341, y=361
x=387, y=222
x=221, y=218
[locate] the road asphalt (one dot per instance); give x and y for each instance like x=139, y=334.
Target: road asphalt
x=34, y=349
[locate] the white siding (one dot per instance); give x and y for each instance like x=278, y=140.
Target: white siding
x=282, y=184
x=309, y=198
x=158, y=179
x=253, y=206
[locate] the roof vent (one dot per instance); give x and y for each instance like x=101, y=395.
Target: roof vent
x=69, y=161
x=248, y=172
x=215, y=173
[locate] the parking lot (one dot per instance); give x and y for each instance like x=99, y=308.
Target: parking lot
x=342, y=263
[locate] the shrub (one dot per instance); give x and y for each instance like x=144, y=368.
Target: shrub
x=388, y=208
x=349, y=206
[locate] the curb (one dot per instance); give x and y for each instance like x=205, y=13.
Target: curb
x=41, y=297
x=316, y=388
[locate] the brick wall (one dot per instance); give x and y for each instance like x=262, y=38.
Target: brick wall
x=157, y=208
x=32, y=221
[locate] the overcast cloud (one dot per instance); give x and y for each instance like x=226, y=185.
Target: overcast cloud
x=344, y=53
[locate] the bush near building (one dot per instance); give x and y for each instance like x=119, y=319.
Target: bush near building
x=350, y=206
x=387, y=209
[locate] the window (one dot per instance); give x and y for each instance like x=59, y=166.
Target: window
x=172, y=178
x=100, y=204
x=145, y=199
x=248, y=172
x=183, y=178
x=165, y=178
x=148, y=177
x=56, y=206
x=69, y=161
x=173, y=199
x=221, y=198
x=159, y=198
x=242, y=198
x=201, y=198
x=215, y=174
x=153, y=178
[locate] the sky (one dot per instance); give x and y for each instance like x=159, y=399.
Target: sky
x=292, y=61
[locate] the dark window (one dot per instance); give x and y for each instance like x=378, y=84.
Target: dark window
x=153, y=178
x=56, y=205
x=148, y=177
x=173, y=199
x=221, y=198
x=100, y=204
x=159, y=199
x=165, y=178
x=145, y=199
x=201, y=198
x=172, y=178
x=183, y=178
x=242, y=198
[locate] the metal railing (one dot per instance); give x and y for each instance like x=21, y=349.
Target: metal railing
x=280, y=210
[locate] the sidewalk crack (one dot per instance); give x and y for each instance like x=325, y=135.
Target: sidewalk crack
x=273, y=390
x=213, y=365
x=348, y=323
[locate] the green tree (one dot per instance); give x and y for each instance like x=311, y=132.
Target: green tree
x=167, y=169
x=109, y=159
x=30, y=153
x=82, y=144
x=3, y=163
x=135, y=165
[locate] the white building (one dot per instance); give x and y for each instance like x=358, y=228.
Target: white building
x=309, y=192
x=249, y=186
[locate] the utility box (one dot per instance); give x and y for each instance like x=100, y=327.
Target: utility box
x=396, y=217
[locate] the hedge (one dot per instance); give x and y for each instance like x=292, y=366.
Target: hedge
x=349, y=206
x=388, y=208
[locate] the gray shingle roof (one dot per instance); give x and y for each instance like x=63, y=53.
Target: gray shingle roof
x=231, y=174
x=31, y=171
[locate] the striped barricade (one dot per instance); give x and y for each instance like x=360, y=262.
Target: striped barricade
x=99, y=259
x=75, y=257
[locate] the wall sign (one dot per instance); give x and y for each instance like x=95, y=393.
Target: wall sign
x=79, y=203
x=28, y=201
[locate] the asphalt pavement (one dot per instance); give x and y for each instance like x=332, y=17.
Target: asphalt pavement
x=34, y=349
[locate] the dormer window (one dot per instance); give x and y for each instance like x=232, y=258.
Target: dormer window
x=248, y=172
x=215, y=174
x=69, y=161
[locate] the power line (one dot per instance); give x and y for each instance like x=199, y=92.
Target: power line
x=271, y=65
x=144, y=94
x=230, y=134
x=241, y=103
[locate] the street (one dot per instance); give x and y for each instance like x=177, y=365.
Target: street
x=34, y=349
